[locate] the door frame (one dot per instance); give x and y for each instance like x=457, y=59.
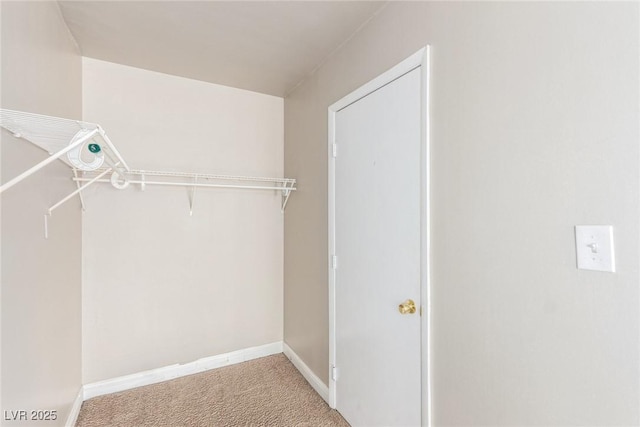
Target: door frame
x=420, y=59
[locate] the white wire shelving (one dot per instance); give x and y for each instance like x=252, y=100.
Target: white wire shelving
x=85, y=144
x=93, y=158
x=190, y=180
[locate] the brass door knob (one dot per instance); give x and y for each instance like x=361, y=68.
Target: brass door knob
x=407, y=307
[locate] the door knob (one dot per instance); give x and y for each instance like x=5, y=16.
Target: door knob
x=407, y=307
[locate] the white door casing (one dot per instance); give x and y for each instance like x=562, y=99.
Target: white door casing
x=378, y=248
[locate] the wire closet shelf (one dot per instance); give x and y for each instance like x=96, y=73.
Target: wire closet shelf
x=93, y=158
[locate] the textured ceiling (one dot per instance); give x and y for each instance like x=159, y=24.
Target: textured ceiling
x=267, y=46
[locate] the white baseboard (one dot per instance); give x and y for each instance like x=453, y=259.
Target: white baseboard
x=75, y=409
x=165, y=373
x=307, y=373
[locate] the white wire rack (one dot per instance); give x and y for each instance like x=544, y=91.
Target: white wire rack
x=190, y=180
x=86, y=148
x=86, y=145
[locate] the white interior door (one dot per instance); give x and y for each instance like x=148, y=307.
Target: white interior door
x=378, y=247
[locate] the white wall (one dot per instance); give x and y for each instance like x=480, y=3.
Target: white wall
x=41, y=280
x=161, y=287
x=535, y=130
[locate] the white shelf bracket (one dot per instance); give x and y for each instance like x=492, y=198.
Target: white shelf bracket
x=143, y=184
x=75, y=175
x=192, y=197
x=46, y=225
x=285, y=195
x=80, y=188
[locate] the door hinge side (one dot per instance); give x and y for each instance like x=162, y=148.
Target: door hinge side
x=335, y=150
x=334, y=262
x=334, y=373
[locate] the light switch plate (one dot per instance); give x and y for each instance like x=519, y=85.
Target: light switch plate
x=594, y=247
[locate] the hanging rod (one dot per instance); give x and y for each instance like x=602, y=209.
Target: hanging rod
x=194, y=184
x=208, y=176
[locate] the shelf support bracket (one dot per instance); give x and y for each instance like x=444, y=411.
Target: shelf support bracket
x=75, y=175
x=192, y=197
x=46, y=225
x=52, y=208
x=285, y=194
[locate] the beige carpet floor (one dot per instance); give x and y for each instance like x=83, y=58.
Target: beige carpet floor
x=263, y=392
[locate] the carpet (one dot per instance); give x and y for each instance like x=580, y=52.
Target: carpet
x=263, y=392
